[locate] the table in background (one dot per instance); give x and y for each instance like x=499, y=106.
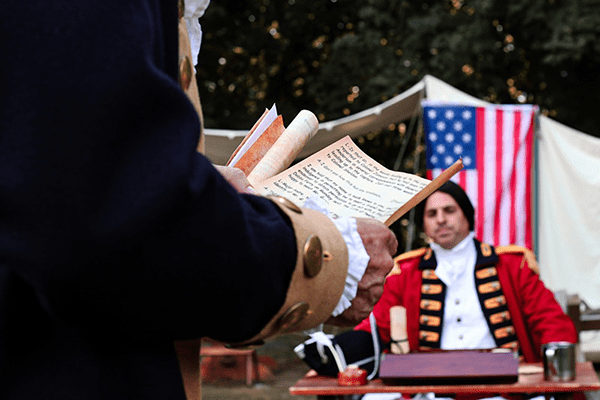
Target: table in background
x=327, y=388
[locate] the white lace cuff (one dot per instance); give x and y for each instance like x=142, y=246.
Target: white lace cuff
x=357, y=255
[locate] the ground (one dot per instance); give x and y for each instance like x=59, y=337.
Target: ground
x=281, y=369
x=274, y=389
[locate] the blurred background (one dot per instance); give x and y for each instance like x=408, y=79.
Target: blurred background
x=339, y=57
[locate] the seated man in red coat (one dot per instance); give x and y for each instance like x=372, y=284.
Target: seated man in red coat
x=458, y=293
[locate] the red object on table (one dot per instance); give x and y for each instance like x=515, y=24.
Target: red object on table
x=352, y=376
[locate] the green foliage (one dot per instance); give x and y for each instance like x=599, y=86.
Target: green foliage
x=255, y=54
x=339, y=57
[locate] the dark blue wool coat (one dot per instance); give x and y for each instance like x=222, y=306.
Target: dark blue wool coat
x=116, y=237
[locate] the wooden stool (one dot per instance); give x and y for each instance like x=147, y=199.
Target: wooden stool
x=217, y=350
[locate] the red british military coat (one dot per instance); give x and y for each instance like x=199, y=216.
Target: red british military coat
x=536, y=316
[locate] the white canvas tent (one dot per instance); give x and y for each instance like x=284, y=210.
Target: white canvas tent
x=221, y=143
x=567, y=182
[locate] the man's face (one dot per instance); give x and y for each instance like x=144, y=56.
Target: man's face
x=444, y=221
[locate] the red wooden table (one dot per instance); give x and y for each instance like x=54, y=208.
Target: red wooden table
x=586, y=380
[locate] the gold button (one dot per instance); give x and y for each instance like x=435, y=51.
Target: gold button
x=312, y=256
x=181, y=8
x=293, y=316
x=286, y=203
x=185, y=73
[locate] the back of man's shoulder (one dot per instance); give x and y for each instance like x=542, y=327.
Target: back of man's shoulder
x=528, y=255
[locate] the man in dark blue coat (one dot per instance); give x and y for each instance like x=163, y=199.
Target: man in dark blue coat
x=116, y=237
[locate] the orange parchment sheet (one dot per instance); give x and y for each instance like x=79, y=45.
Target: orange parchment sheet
x=259, y=149
x=286, y=148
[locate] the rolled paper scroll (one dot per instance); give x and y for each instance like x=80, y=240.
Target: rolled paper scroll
x=398, y=333
x=286, y=148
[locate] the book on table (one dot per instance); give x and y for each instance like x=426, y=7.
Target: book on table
x=450, y=367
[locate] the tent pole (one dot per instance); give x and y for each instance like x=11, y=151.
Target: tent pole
x=410, y=233
x=415, y=117
x=536, y=186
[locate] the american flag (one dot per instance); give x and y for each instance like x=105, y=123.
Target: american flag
x=496, y=144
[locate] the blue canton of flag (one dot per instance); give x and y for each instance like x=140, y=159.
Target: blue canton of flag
x=451, y=135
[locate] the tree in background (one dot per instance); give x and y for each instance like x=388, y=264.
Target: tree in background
x=339, y=57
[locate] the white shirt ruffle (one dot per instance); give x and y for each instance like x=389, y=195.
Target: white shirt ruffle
x=194, y=9
x=465, y=326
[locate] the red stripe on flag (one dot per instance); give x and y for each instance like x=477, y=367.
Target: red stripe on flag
x=462, y=180
x=479, y=128
x=513, y=179
x=499, y=172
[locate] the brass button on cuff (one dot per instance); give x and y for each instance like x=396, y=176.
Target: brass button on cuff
x=185, y=73
x=180, y=8
x=312, y=256
x=293, y=316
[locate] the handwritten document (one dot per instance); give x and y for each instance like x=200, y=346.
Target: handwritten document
x=349, y=181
